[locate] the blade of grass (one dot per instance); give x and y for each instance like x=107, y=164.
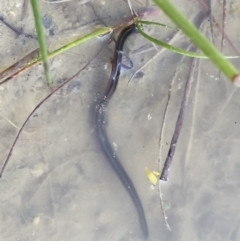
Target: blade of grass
x=172, y=48
x=41, y=38
x=37, y=59
x=168, y=46
x=94, y=34
x=199, y=40
x=214, y=21
x=154, y=23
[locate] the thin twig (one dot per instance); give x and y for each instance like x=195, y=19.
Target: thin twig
x=21, y=64
x=220, y=28
x=133, y=12
x=24, y=9
x=211, y=20
x=209, y=12
x=223, y=32
x=223, y=24
x=34, y=110
x=161, y=141
x=15, y=30
x=178, y=127
x=37, y=59
x=164, y=117
x=160, y=148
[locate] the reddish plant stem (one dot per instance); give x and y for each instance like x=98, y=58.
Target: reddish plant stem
x=165, y=172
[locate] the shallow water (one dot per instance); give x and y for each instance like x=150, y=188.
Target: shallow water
x=58, y=184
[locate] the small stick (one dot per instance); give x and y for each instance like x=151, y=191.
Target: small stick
x=24, y=9
x=223, y=32
x=211, y=20
x=160, y=147
x=220, y=28
x=15, y=30
x=178, y=127
x=21, y=64
x=209, y=12
x=223, y=24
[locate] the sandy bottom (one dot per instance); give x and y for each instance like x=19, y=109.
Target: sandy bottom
x=59, y=186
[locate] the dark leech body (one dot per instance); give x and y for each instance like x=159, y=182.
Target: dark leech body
x=101, y=132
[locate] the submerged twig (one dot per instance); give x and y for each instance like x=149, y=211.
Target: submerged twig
x=161, y=140
x=24, y=9
x=133, y=12
x=220, y=29
x=208, y=11
x=223, y=24
x=211, y=20
x=223, y=32
x=15, y=30
x=16, y=68
x=160, y=148
x=178, y=127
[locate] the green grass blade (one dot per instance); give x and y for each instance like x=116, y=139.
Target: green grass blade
x=172, y=48
x=37, y=59
x=41, y=38
x=198, y=39
x=154, y=23
x=94, y=34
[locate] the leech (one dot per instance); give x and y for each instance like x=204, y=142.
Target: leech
x=101, y=131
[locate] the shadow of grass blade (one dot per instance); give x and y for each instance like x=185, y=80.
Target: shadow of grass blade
x=41, y=38
x=198, y=39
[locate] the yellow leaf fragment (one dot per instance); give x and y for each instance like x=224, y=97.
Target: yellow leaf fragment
x=156, y=173
x=152, y=176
